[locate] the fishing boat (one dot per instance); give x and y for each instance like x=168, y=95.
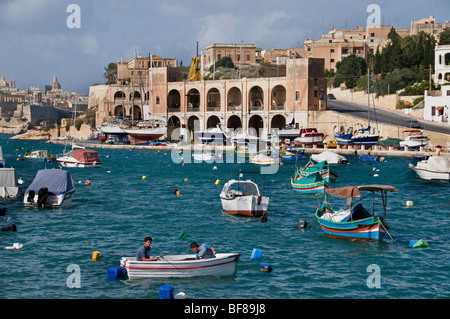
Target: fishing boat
x=8, y=180
x=80, y=157
x=371, y=158
x=433, y=168
x=415, y=139
x=309, y=136
x=291, y=156
x=263, y=159
x=354, y=222
x=243, y=197
x=323, y=168
x=41, y=156
x=310, y=184
x=224, y=264
x=343, y=138
x=50, y=188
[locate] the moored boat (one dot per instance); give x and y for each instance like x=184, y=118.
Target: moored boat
x=40, y=156
x=243, y=197
x=415, y=139
x=355, y=222
x=433, y=168
x=224, y=264
x=263, y=159
x=310, y=184
x=371, y=158
x=8, y=179
x=50, y=188
x=309, y=136
x=80, y=157
x=323, y=168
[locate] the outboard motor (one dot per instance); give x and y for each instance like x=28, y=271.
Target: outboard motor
x=31, y=195
x=42, y=197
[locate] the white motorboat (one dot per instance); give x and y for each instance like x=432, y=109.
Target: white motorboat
x=80, y=157
x=112, y=128
x=309, y=136
x=415, y=139
x=214, y=135
x=225, y=264
x=262, y=159
x=207, y=156
x=330, y=157
x=50, y=188
x=8, y=180
x=243, y=197
x=434, y=168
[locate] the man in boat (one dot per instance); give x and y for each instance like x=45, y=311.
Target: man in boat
x=143, y=253
x=204, y=251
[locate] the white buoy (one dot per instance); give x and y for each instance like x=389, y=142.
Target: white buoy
x=180, y=295
x=409, y=203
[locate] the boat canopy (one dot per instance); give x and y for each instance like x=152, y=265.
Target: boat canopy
x=353, y=191
x=57, y=181
x=8, y=177
x=85, y=155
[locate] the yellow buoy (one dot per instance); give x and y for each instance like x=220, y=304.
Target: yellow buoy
x=95, y=255
x=178, y=193
x=217, y=182
x=144, y=177
x=409, y=203
x=185, y=179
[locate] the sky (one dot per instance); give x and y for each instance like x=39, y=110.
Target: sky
x=40, y=39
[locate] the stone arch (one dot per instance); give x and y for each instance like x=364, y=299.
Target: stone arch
x=256, y=122
x=278, y=98
x=174, y=101
x=193, y=125
x=118, y=110
x=234, y=99
x=234, y=122
x=256, y=98
x=119, y=96
x=278, y=122
x=137, y=113
x=212, y=121
x=137, y=95
x=193, y=100
x=173, y=124
x=213, y=99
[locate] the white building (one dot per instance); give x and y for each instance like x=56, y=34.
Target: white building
x=437, y=102
x=442, y=64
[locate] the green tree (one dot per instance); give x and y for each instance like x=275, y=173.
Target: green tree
x=444, y=37
x=349, y=70
x=225, y=62
x=110, y=74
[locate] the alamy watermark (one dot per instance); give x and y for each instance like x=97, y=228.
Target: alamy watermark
x=74, y=19
x=374, y=19
x=74, y=279
x=374, y=279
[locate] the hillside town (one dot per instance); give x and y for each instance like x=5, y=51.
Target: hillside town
x=263, y=89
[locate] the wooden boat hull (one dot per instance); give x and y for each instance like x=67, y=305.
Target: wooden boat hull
x=181, y=266
x=312, y=188
x=354, y=232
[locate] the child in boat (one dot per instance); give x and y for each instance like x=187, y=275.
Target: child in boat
x=204, y=251
x=143, y=253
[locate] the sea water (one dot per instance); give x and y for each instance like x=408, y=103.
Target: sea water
x=119, y=208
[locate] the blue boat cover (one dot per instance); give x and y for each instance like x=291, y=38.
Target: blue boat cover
x=56, y=180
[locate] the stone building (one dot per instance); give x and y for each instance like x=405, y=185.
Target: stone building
x=240, y=54
x=264, y=103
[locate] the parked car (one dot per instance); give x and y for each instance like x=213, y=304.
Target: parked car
x=413, y=124
x=331, y=96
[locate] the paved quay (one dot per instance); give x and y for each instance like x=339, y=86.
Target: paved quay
x=342, y=150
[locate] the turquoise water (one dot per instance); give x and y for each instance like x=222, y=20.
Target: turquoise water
x=120, y=208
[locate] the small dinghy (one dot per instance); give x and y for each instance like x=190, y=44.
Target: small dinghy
x=181, y=266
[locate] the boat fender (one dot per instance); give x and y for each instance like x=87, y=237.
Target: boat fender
x=117, y=272
x=9, y=228
x=166, y=292
x=42, y=197
x=256, y=253
x=266, y=268
x=414, y=243
x=95, y=255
